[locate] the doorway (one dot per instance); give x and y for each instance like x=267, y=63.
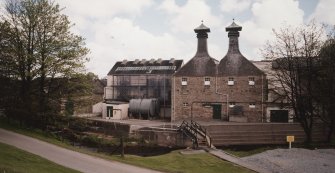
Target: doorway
x=217, y=111
x=109, y=111
x=279, y=116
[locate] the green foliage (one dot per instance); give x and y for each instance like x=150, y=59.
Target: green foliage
x=38, y=53
x=17, y=161
x=69, y=107
x=78, y=124
x=91, y=141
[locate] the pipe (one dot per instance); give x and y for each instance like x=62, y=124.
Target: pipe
x=174, y=99
x=227, y=96
x=262, y=100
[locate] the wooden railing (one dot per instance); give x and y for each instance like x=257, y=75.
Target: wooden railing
x=193, y=130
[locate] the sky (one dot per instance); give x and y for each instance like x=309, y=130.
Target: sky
x=144, y=29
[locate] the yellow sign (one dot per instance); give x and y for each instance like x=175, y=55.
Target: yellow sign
x=290, y=138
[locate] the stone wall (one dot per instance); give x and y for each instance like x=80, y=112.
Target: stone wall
x=195, y=99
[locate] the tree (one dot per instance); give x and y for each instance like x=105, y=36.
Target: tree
x=7, y=86
x=43, y=49
x=295, y=53
x=326, y=84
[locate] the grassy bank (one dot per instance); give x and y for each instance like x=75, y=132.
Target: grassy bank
x=192, y=163
x=16, y=161
x=171, y=162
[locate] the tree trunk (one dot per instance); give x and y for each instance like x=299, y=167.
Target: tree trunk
x=331, y=131
x=122, y=146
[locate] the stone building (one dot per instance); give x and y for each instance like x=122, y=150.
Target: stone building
x=230, y=90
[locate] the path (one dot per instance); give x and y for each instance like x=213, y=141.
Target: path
x=67, y=158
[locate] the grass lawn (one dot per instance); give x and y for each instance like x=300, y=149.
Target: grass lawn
x=192, y=163
x=171, y=162
x=15, y=160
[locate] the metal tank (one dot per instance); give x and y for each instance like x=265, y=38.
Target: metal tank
x=144, y=108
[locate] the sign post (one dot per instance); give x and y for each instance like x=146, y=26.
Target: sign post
x=290, y=139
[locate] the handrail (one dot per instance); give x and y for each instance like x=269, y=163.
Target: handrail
x=195, y=129
x=189, y=131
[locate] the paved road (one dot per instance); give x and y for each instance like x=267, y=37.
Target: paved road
x=67, y=158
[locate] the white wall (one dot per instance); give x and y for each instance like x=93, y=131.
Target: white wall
x=120, y=111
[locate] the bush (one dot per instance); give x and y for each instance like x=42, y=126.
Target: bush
x=91, y=141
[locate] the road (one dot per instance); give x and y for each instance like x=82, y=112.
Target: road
x=67, y=158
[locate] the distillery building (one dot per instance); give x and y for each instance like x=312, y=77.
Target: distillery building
x=232, y=89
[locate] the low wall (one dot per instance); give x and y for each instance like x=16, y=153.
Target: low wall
x=261, y=133
x=222, y=134
x=164, y=137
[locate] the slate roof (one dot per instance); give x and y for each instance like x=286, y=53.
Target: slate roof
x=234, y=63
x=146, y=67
x=202, y=64
x=237, y=65
x=198, y=66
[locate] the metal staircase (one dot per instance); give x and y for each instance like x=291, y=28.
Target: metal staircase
x=196, y=133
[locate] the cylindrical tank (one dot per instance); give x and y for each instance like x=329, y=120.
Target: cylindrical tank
x=144, y=107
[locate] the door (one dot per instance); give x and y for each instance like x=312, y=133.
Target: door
x=279, y=116
x=217, y=111
x=109, y=111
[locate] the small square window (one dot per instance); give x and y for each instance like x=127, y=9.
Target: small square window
x=184, y=81
x=230, y=81
x=207, y=81
x=251, y=81
x=185, y=104
x=252, y=105
x=232, y=104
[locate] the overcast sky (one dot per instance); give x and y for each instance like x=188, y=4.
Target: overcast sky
x=144, y=29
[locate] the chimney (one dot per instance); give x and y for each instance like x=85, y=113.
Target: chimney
x=233, y=34
x=202, y=36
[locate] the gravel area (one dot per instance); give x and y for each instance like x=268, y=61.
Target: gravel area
x=295, y=160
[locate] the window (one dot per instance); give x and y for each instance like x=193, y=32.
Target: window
x=183, y=81
x=231, y=104
x=252, y=105
x=185, y=104
x=207, y=81
x=230, y=81
x=251, y=81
